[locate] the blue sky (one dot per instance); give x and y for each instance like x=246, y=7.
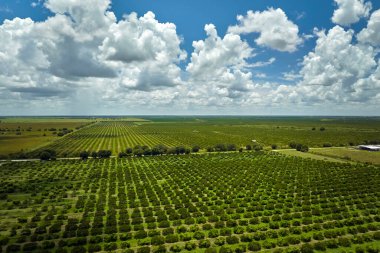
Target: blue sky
x=190, y=18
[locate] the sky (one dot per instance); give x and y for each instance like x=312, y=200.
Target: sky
x=179, y=57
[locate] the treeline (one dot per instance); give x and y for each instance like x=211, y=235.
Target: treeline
x=100, y=154
x=138, y=151
x=299, y=146
x=159, y=149
x=179, y=150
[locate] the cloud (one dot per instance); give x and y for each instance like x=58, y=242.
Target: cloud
x=350, y=11
x=82, y=44
x=371, y=34
x=147, y=52
x=337, y=70
x=219, y=64
x=82, y=57
x=276, y=30
x=290, y=76
x=262, y=63
x=42, y=91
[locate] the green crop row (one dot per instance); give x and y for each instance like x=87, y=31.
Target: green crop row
x=226, y=202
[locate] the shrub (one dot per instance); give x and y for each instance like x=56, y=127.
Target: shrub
x=213, y=233
x=204, y=243
x=160, y=249
x=269, y=244
x=254, y=246
x=359, y=249
x=307, y=248
x=171, y=238
x=110, y=246
x=220, y=241
x=158, y=240
x=199, y=235
x=344, y=242
x=320, y=246
x=141, y=234
x=175, y=248
x=30, y=246
x=190, y=246
x=48, y=244
x=144, y=249
x=225, y=249
x=211, y=250
x=241, y=248
x=232, y=240
x=94, y=248
x=78, y=249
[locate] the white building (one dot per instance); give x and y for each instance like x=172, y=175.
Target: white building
x=370, y=147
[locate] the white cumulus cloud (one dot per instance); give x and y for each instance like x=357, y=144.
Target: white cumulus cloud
x=371, y=34
x=218, y=65
x=350, y=11
x=276, y=30
x=338, y=70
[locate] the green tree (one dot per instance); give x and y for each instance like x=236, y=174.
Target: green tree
x=84, y=155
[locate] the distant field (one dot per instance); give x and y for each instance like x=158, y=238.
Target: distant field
x=117, y=135
x=350, y=154
x=25, y=134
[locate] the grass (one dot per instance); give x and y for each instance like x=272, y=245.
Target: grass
x=310, y=155
x=351, y=154
x=27, y=134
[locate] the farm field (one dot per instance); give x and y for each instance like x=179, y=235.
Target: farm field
x=310, y=155
x=219, y=202
x=117, y=135
x=349, y=154
x=25, y=134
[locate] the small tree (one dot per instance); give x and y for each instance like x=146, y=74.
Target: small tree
x=195, y=149
x=292, y=144
x=122, y=155
x=94, y=154
x=304, y=148
x=210, y=149
x=248, y=147
x=47, y=154
x=231, y=147
x=104, y=153
x=220, y=147
x=274, y=146
x=257, y=147
x=84, y=155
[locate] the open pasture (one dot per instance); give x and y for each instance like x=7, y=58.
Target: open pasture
x=216, y=202
x=25, y=134
x=117, y=135
x=351, y=154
